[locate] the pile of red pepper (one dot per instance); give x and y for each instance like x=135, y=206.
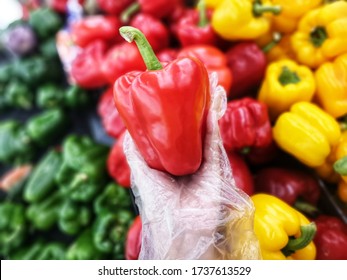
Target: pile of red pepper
x=279, y=130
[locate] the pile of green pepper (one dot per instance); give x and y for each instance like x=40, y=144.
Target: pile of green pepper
x=66, y=208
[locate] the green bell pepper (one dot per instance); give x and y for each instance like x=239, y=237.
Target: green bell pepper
x=73, y=217
x=41, y=250
x=83, y=172
x=12, y=226
x=76, y=97
x=112, y=198
x=49, y=96
x=84, y=249
x=42, y=180
x=49, y=48
x=6, y=72
x=18, y=95
x=15, y=144
x=110, y=231
x=44, y=214
x=45, y=22
x=46, y=127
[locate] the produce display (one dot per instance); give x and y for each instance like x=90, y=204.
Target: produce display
x=99, y=98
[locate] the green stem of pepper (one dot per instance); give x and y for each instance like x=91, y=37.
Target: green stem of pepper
x=259, y=9
x=128, y=12
x=131, y=34
x=288, y=77
x=318, y=36
x=277, y=37
x=307, y=234
x=203, y=20
x=340, y=166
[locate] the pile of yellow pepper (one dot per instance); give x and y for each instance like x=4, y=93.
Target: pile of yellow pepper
x=305, y=90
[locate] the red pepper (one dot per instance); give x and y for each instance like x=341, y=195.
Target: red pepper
x=214, y=60
x=114, y=7
x=262, y=155
x=133, y=240
x=290, y=185
x=117, y=164
x=194, y=28
x=157, y=8
x=86, y=67
x=120, y=59
x=167, y=55
x=60, y=5
x=91, y=28
x=245, y=124
x=331, y=238
x=155, y=31
x=165, y=109
x=110, y=118
x=241, y=173
x=247, y=63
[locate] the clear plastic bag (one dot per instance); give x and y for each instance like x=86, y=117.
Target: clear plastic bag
x=200, y=216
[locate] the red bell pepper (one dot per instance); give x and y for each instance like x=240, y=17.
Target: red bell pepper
x=241, y=173
x=247, y=63
x=245, y=124
x=96, y=27
x=133, y=240
x=86, y=67
x=194, y=28
x=117, y=164
x=165, y=109
x=262, y=155
x=214, y=60
x=110, y=118
x=157, y=8
x=331, y=238
x=120, y=59
x=167, y=55
x=114, y=7
x=290, y=185
x=155, y=31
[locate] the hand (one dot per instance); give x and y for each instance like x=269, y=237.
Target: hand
x=200, y=216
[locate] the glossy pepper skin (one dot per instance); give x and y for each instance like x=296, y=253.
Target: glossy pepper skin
x=245, y=124
x=109, y=232
x=95, y=27
x=43, y=215
x=73, y=217
x=291, y=13
x=117, y=164
x=114, y=7
x=82, y=174
x=112, y=198
x=195, y=29
x=275, y=222
x=180, y=95
x=214, y=60
x=121, y=59
x=86, y=67
x=18, y=95
x=319, y=37
x=83, y=248
x=154, y=29
x=110, y=118
x=332, y=87
x=241, y=173
x=331, y=238
x=287, y=184
x=286, y=83
x=13, y=228
x=307, y=133
x=245, y=16
x=41, y=250
x=247, y=63
x=133, y=240
x=42, y=179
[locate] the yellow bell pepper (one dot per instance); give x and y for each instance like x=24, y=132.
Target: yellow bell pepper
x=331, y=79
x=282, y=231
x=291, y=13
x=340, y=165
x=239, y=20
x=342, y=191
x=286, y=83
x=212, y=4
x=307, y=133
x=321, y=34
